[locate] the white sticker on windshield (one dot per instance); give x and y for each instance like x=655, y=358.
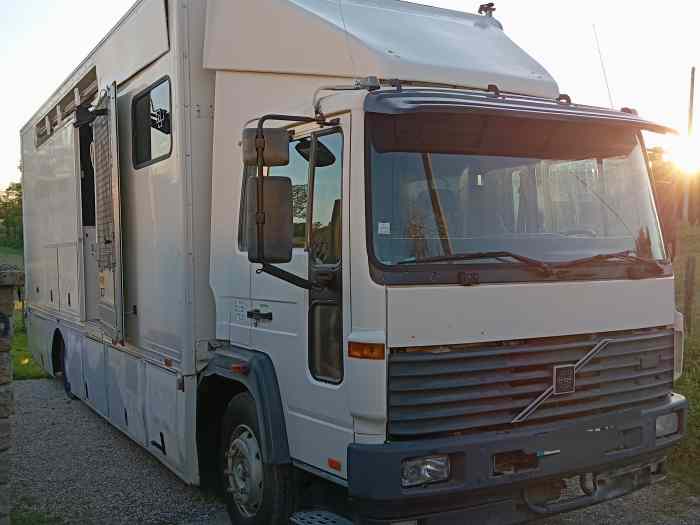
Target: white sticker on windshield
x=384, y=228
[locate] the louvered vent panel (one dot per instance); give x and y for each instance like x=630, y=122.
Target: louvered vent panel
x=103, y=190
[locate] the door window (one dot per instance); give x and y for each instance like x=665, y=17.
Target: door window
x=326, y=358
x=152, y=122
x=326, y=218
x=325, y=248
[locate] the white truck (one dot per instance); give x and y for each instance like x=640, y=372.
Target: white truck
x=355, y=261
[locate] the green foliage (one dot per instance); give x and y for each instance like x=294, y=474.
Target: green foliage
x=300, y=200
x=31, y=517
x=686, y=458
x=12, y=256
x=23, y=514
x=11, y=216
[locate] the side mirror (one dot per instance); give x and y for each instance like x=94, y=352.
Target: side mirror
x=324, y=156
x=276, y=151
x=277, y=238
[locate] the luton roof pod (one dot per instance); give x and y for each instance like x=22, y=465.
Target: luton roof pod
x=367, y=38
x=388, y=39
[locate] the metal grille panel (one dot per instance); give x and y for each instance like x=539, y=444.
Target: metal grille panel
x=463, y=389
x=103, y=189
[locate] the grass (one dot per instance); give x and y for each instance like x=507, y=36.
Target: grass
x=23, y=364
x=23, y=514
x=685, y=460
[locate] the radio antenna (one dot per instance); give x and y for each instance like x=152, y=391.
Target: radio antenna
x=691, y=105
x=602, y=66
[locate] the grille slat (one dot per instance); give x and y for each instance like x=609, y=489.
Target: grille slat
x=436, y=426
x=541, y=358
x=436, y=411
x=469, y=352
x=484, y=388
x=418, y=398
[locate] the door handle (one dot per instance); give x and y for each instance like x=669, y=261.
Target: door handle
x=256, y=315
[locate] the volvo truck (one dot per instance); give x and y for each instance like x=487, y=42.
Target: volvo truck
x=358, y=261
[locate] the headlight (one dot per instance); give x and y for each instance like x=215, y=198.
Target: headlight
x=421, y=471
x=678, y=342
x=667, y=425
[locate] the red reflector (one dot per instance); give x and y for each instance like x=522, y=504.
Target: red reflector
x=374, y=351
x=335, y=464
x=240, y=368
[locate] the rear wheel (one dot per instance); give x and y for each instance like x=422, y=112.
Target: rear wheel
x=256, y=493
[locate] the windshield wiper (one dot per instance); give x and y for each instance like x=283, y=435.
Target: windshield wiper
x=472, y=256
x=625, y=256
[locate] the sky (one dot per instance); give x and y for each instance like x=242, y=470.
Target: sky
x=648, y=50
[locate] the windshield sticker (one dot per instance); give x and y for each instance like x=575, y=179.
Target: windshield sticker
x=384, y=228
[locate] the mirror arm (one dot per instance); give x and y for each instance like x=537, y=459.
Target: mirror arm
x=294, y=118
x=286, y=276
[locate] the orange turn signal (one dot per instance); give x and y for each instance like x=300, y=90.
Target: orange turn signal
x=373, y=351
x=335, y=464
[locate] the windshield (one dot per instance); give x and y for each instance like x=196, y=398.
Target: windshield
x=445, y=185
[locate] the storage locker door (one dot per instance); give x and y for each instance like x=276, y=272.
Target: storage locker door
x=125, y=392
x=108, y=217
x=51, y=297
x=94, y=370
x=74, y=362
x=68, y=279
x=164, y=416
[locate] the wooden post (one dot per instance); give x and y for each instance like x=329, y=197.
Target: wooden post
x=9, y=281
x=689, y=299
x=691, y=109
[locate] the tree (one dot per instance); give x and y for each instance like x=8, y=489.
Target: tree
x=11, y=216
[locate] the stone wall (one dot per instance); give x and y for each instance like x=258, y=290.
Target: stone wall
x=8, y=283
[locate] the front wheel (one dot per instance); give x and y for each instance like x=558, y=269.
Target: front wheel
x=256, y=493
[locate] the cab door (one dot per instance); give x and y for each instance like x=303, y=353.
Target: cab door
x=304, y=331
x=108, y=216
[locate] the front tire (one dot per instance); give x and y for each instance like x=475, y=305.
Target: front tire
x=256, y=493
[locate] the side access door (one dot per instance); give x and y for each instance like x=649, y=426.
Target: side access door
x=110, y=305
x=303, y=331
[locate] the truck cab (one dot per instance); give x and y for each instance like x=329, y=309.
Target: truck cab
x=484, y=321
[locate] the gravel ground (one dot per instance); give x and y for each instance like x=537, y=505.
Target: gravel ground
x=70, y=463
x=662, y=504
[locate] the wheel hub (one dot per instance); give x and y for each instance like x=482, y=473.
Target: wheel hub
x=245, y=471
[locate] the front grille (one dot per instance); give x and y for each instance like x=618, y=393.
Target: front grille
x=480, y=388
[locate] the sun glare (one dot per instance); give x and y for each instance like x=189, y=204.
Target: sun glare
x=684, y=152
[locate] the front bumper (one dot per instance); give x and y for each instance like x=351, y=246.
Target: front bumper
x=619, y=449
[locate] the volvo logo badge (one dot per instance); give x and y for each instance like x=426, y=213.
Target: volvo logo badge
x=564, y=380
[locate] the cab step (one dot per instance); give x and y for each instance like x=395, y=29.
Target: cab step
x=318, y=517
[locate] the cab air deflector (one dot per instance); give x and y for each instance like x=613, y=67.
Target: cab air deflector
x=436, y=100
